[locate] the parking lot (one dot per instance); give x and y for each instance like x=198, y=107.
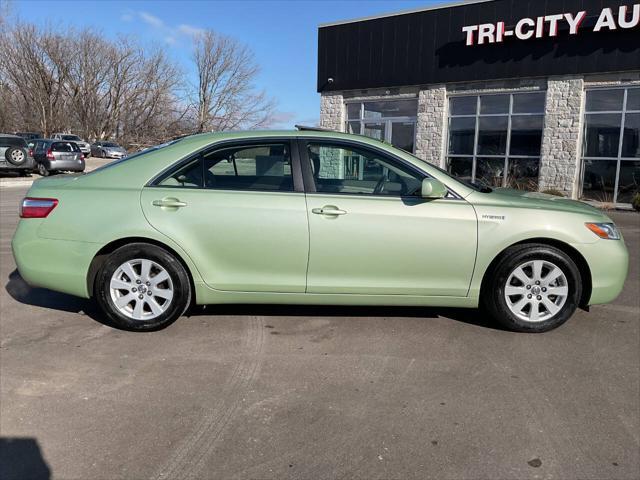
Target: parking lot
x=309, y=392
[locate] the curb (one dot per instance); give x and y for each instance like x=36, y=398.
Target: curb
x=17, y=183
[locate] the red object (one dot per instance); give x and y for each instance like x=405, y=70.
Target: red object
x=50, y=155
x=82, y=156
x=31, y=152
x=37, y=207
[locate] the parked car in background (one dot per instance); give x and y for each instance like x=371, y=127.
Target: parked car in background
x=28, y=136
x=52, y=156
x=15, y=155
x=311, y=218
x=108, y=150
x=85, y=147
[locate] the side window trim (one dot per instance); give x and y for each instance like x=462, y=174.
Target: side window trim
x=296, y=173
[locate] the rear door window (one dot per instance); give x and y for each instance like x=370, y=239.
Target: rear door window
x=264, y=167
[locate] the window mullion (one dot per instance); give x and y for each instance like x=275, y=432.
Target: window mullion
x=475, y=141
x=620, y=145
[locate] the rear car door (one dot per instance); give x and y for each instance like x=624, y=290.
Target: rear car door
x=372, y=233
x=239, y=211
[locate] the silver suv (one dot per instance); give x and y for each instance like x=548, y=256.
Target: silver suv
x=85, y=147
x=15, y=155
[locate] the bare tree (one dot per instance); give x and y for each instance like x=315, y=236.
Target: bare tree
x=225, y=96
x=34, y=68
x=80, y=82
x=5, y=12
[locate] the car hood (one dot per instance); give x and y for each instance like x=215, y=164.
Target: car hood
x=533, y=200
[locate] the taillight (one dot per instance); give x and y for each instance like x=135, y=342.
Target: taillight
x=37, y=207
x=50, y=155
x=31, y=152
x=82, y=156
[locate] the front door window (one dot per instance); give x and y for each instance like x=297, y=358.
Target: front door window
x=357, y=171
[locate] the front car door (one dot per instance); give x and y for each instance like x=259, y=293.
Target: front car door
x=239, y=211
x=372, y=233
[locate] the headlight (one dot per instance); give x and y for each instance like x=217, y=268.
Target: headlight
x=607, y=231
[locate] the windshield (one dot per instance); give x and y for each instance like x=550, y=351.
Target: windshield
x=74, y=138
x=478, y=187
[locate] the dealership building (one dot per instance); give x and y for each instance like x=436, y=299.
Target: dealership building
x=526, y=94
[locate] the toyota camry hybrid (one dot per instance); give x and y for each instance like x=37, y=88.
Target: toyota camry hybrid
x=310, y=217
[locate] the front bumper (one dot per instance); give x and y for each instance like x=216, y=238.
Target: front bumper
x=115, y=154
x=608, y=261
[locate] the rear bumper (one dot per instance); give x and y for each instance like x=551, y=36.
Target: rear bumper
x=59, y=265
x=9, y=167
x=608, y=261
x=66, y=165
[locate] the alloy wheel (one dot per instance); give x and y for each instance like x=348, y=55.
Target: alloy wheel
x=536, y=291
x=141, y=289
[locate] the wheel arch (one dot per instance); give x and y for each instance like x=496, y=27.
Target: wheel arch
x=578, y=259
x=102, y=254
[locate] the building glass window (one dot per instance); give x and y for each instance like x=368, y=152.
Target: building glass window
x=496, y=139
x=611, y=145
x=392, y=121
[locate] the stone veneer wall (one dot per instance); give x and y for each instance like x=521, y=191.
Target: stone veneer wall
x=332, y=111
x=431, y=124
x=560, y=161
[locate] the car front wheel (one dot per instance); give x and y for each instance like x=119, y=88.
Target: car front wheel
x=533, y=288
x=142, y=287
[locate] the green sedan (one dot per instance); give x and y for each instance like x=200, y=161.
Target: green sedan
x=310, y=217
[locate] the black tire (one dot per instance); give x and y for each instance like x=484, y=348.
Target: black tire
x=493, y=291
x=16, y=156
x=42, y=170
x=179, y=278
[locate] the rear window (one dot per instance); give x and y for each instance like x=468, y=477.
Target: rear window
x=13, y=142
x=73, y=138
x=109, y=144
x=65, y=147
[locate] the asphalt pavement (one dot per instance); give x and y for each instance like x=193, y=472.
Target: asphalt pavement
x=253, y=392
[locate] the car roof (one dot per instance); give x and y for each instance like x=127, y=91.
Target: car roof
x=9, y=135
x=211, y=137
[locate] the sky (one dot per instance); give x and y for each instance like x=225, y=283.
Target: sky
x=282, y=34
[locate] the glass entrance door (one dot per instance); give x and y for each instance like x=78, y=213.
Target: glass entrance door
x=391, y=121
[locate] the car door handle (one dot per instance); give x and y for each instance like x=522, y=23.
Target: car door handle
x=328, y=211
x=169, y=202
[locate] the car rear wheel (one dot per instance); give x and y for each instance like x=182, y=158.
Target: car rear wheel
x=16, y=156
x=42, y=170
x=533, y=288
x=142, y=287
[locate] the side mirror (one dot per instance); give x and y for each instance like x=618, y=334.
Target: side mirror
x=432, y=188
